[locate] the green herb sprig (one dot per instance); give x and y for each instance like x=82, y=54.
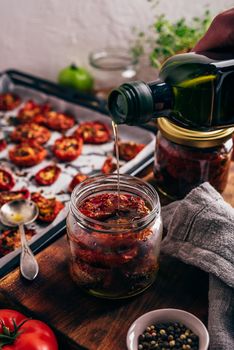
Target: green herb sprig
x=169, y=38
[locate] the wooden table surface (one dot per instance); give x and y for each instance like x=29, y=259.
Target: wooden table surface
x=84, y=322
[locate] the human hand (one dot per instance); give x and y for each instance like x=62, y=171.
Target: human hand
x=218, y=42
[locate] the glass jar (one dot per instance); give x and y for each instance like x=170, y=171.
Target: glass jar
x=111, y=67
x=120, y=259
x=186, y=158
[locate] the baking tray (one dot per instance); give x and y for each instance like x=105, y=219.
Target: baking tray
x=84, y=108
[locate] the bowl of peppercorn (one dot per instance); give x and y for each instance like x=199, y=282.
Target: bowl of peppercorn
x=166, y=329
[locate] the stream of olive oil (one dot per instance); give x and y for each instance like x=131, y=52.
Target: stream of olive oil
x=116, y=139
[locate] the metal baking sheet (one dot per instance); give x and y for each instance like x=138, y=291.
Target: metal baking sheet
x=89, y=162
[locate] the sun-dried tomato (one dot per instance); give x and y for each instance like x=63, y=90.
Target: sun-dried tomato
x=30, y=110
x=67, y=148
x=109, y=166
x=27, y=154
x=10, y=240
x=55, y=120
x=3, y=145
x=128, y=150
x=77, y=179
x=49, y=208
x=110, y=205
x=32, y=131
x=9, y=101
x=7, y=196
x=7, y=181
x=48, y=175
x=93, y=132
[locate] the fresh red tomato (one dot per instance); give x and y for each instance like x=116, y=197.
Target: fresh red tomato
x=109, y=166
x=67, y=148
x=55, y=120
x=3, y=145
x=48, y=175
x=27, y=154
x=30, y=110
x=20, y=333
x=32, y=131
x=8, y=196
x=93, y=132
x=7, y=181
x=129, y=150
x=9, y=101
x=48, y=207
x=77, y=179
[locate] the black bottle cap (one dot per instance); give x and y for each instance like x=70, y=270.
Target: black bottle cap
x=132, y=103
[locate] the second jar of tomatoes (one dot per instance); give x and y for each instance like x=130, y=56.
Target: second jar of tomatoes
x=186, y=158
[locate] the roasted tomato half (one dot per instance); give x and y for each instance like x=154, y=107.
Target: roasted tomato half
x=31, y=131
x=109, y=166
x=48, y=175
x=77, y=179
x=67, y=148
x=7, y=181
x=129, y=150
x=48, y=207
x=30, y=110
x=8, y=196
x=3, y=145
x=27, y=154
x=9, y=101
x=93, y=132
x=55, y=120
x=10, y=240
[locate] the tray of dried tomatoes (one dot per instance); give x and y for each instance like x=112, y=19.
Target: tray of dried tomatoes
x=51, y=139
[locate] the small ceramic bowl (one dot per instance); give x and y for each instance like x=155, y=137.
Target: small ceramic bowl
x=167, y=315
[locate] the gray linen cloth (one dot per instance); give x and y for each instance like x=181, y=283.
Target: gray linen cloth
x=200, y=232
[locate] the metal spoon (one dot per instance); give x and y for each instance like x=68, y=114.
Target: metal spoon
x=18, y=213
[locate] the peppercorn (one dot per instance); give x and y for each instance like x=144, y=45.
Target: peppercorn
x=172, y=343
x=165, y=336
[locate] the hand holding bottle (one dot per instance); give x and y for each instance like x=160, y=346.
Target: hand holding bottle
x=194, y=90
x=218, y=41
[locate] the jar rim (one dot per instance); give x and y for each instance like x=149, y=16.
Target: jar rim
x=121, y=58
x=91, y=183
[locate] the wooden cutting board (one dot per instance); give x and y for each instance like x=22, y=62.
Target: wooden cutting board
x=97, y=324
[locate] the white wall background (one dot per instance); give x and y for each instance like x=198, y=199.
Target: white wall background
x=43, y=36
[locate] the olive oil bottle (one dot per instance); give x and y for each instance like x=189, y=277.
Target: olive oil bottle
x=193, y=91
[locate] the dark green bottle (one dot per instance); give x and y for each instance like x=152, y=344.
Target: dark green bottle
x=192, y=91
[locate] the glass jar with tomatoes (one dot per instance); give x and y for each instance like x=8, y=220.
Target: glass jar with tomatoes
x=114, y=237
x=186, y=158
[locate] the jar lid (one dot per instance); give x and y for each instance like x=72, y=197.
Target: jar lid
x=193, y=138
